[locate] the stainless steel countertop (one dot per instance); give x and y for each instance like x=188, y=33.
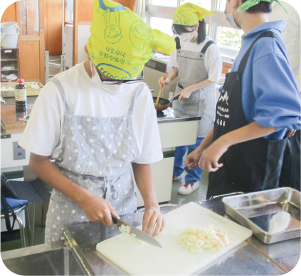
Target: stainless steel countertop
x=251, y=257
x=245, y=259
x=285, y=254
x=172, y=116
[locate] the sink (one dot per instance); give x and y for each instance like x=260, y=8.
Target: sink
x=54, y=262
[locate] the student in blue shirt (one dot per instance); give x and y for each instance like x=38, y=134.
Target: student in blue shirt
x=259, y=103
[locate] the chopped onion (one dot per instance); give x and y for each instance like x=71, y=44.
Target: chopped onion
x=198, y=238
x=125, y=229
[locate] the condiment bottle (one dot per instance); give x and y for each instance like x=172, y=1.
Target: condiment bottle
x=20, y=96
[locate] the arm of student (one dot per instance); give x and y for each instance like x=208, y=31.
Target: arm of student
x=153, y=220
x=96, y=208
x=173, y=74
x=185, y=93
x=194, y=157
x=211, y=155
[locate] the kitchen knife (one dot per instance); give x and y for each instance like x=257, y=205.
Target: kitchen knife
x=136, y=233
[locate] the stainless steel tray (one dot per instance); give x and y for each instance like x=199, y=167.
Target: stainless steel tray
x=272, y=215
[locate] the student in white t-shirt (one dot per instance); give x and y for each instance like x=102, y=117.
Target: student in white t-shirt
x=96, y=121
x=198, y=65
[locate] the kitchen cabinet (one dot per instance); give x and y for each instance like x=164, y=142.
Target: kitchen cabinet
x=9, y=64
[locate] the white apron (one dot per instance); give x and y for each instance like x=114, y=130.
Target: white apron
x=96, y=154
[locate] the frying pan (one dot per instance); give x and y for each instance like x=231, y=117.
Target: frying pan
x=164, y=103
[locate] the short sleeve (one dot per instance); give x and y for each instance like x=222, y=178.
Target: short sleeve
x=173, y=60
x=148, y=130
x=276, y=93
x=42, y=132
x=213, y=63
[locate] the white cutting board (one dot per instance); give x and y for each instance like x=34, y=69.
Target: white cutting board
x=144, y=259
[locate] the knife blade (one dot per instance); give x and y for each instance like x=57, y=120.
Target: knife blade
x=136, y=232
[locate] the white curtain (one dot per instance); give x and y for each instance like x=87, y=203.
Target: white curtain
x=139, y=8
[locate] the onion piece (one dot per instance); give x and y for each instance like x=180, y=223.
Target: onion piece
x=212, y=238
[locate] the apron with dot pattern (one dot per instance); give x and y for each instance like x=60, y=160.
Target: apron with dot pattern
x=96, y=154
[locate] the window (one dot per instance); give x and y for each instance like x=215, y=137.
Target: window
x=162, y=24
x=159, y=15
x=206, y=4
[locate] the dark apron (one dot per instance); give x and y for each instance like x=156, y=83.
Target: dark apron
x=249, y=166
x=290, y=172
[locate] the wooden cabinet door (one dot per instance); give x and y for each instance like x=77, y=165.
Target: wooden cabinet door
x=30, y=17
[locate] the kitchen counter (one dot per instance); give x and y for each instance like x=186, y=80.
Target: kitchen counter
x=10, y=117
x=251, y=257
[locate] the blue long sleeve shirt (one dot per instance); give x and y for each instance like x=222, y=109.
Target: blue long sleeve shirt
x=270, y=94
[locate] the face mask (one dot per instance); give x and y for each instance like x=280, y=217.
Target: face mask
x=186, y=37
x=230, y=19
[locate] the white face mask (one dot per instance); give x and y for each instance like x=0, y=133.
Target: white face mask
x=230, y=19
x=186, y=37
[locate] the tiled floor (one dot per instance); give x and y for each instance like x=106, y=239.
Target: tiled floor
x=199, y=194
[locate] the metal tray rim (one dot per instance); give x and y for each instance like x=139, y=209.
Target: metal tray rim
x=255, y=228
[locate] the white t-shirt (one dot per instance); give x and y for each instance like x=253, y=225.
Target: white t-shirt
x=43, y=133
x=213, y=60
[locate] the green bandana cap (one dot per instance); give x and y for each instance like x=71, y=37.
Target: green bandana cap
x=189, y=14
x=250, y=3
x=121, y=42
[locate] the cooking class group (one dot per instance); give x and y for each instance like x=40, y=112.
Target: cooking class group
x=150, y=137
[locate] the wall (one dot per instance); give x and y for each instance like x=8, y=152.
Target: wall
x=9, y=14
x=85, y=8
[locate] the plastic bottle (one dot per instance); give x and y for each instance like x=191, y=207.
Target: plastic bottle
x=20, y=96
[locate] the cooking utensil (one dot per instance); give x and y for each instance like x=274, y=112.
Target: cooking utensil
x=161, y=88
x=174, y=98
x=135, y=232
x=273, y=215
x=173, y=258
x=164, y=103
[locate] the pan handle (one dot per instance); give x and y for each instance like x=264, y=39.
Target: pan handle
x=174, y=98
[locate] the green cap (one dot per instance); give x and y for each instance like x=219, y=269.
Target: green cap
x=250, y=3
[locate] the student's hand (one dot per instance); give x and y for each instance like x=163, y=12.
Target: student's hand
x=193, y=160
x=153, y=221
x=184, y=94
x=98, y=209
x=210, y=156
x=163, y=82
x=290, y=132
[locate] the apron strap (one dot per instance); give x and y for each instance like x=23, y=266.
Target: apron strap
x=137, y=93
x=207, y=46
x=62, y=91
x=244, y=60
x=178, y=43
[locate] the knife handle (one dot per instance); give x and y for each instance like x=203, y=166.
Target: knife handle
x=114, y=219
